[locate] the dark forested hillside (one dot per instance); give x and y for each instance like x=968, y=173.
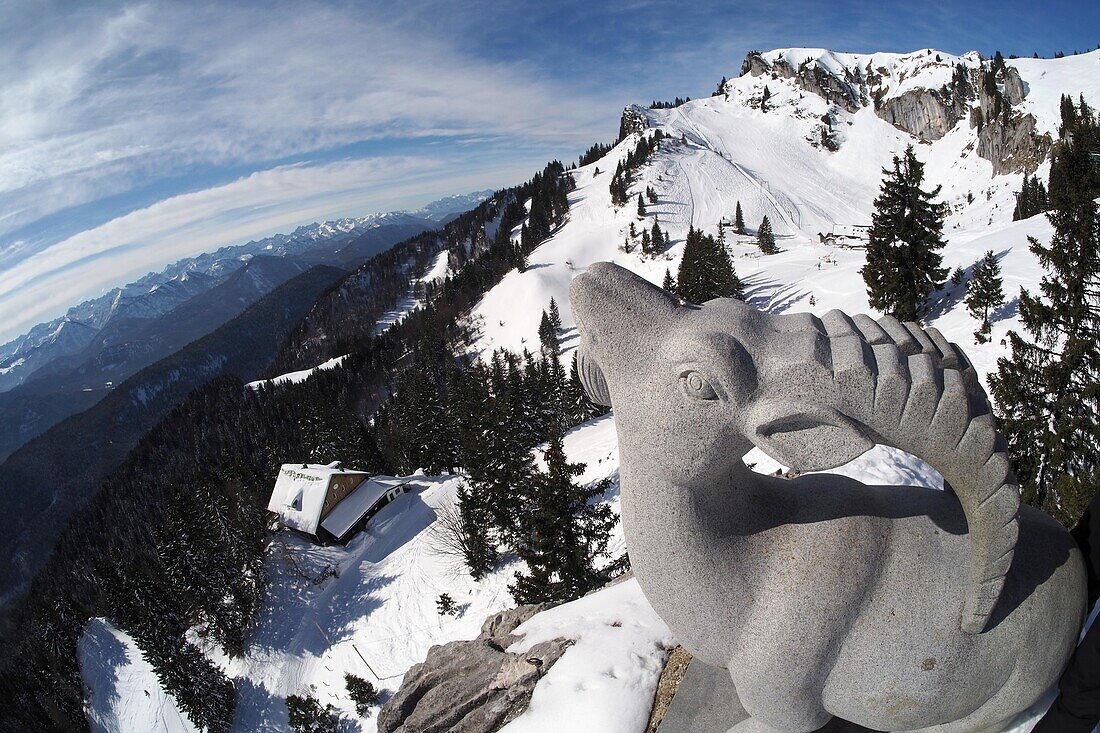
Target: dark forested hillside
x=184, y=511
x=43, y=482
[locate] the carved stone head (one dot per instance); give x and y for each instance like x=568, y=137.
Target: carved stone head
x=708, y=381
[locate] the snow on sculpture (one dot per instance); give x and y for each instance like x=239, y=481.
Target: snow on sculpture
x=898, y=608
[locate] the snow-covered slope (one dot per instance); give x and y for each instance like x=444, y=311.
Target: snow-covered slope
x=121, y=689
x=724, y=149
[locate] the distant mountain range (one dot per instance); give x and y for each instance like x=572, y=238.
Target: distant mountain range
x=343, y=242
x=64, y=366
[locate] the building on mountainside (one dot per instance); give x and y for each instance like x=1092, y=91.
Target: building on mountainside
x=850, y=236
x=330, y=503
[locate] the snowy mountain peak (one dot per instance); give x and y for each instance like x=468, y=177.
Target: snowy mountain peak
x=802, y=137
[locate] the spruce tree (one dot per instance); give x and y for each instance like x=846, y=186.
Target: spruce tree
x=739, y=220
x=305, y=714
x=647, y=242
x=362, y=693
x=641, y=207
x=479, y=549
x=657, y=240
x=706, y=271
x=903, y=261
x=984, y=293
x=564, y=532
x=555, y=315
x=1047, y=390
x=765, y=239
x=445, y=605
x=669, y=283
x=548, y=335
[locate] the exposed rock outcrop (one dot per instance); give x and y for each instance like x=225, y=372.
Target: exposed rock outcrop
x=846, y=93
x=920, y=112
x=472, y=686
x=633, y=120
x=985, y=94
x=1008, y=138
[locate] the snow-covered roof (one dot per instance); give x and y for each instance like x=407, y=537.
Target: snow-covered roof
x=349, y=511
x=300, y=491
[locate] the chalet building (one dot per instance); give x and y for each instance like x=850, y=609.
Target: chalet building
x=330, y=503
x=852, y=236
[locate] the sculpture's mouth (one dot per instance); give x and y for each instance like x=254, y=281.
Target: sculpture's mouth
x=592, y=379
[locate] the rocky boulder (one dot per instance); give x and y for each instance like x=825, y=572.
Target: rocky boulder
x=472, y=686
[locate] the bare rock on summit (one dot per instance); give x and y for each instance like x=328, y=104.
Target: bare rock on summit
x=472, y=686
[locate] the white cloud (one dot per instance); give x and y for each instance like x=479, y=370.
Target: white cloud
x=100, y=100
x=87, y=264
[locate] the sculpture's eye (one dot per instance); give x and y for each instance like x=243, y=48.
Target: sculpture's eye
x=695, y=385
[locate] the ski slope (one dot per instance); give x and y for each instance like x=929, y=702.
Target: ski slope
x=723, y=150
x=121, y=690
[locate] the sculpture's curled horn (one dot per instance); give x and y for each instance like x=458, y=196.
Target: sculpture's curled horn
x=928, y=401
x=592, y=379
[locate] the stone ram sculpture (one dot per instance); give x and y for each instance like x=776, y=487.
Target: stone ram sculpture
x=897, y=608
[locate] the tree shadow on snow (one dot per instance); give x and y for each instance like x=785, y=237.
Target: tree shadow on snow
x=257, y=708
x=102, y=654
x=953, y=296
x=770, y=296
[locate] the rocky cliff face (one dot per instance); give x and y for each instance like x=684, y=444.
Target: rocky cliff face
x=848, y=92
x=922, y=113
x=977, y=92
x=1007, y=138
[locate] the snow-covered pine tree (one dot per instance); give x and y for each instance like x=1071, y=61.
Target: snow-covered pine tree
x=738, y=220
x=984, y=293
x=903, y=261
x=647, y=242
x=765, y=238
x=1047, y=390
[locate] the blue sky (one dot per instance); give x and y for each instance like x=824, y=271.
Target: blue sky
x=132, y=134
